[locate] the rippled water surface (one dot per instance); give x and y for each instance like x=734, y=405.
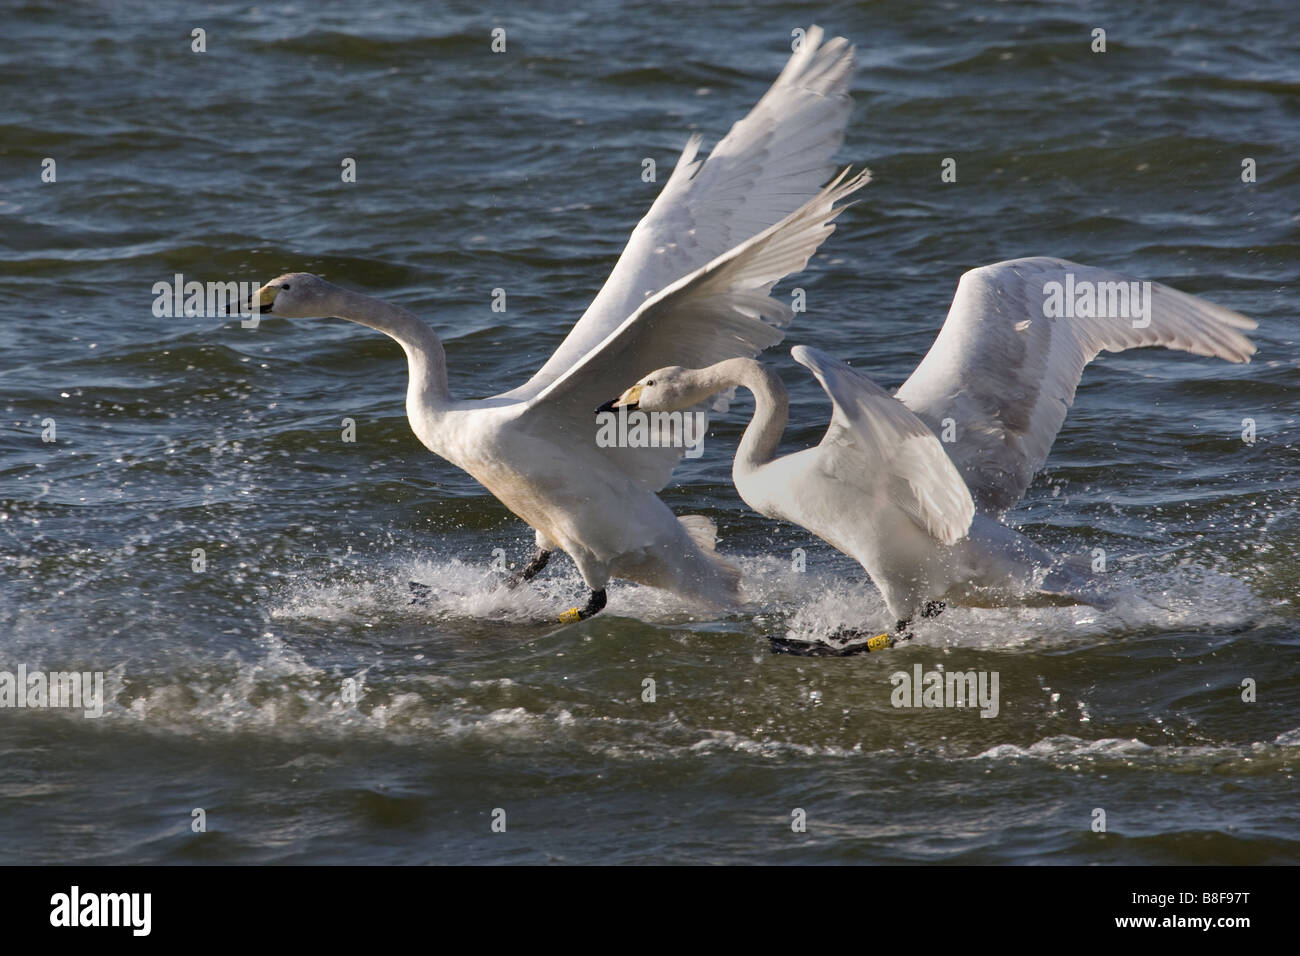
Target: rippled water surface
x=523, y=170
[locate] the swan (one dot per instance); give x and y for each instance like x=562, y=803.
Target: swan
x=922, y=515
x=691, y=286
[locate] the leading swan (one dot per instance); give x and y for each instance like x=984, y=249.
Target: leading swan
x=691, y=287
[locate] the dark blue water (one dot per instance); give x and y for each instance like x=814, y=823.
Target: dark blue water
x=522, y=170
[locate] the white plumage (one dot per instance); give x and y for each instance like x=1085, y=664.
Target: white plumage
x=920, y=514
x=691, y=287
x=1006, y=374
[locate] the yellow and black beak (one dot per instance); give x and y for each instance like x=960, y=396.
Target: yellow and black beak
x=628, y=400
x=261, y=301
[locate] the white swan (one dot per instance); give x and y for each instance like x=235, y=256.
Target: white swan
x=921, y=515
x=692, y=286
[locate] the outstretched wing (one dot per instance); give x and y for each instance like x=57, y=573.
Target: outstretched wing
x=772, y=162
x=1005, y=372
x=720, y=311
x=873, y=441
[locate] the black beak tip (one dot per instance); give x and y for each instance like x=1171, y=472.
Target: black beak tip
x=607, y=407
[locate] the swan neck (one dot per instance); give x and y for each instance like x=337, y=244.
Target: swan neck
x=771, y=410
x=425, y=359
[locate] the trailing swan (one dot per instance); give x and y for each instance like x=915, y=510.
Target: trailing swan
x=919, y=514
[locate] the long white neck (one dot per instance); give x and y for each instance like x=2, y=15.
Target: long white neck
x=425, y=359
x=771, y=410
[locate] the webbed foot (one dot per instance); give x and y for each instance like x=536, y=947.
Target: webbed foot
x=529, y=570
x=419, y=594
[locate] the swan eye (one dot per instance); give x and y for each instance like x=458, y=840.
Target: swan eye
x=649, y=383
x=285, y=288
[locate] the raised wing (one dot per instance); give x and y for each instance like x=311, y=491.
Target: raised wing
x=769, y=164
x=720, y=311
x=874, y=440
x=1008, y=359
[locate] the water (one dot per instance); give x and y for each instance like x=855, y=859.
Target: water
x=226, y=687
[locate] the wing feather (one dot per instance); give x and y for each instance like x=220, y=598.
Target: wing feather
x=873, y=440
x=1005, y=373
x=723, y=310
x=769, y=164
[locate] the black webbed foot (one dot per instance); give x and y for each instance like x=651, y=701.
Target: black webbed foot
x=842, y=642
x=419, y=594
x=529, y=570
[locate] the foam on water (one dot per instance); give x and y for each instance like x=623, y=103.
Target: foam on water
x=1186, y=596
x=1277, y=754
x=808, y=605
x=458, y=591
x=268, y=685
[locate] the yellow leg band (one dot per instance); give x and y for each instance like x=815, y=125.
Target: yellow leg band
x=573, y=614
x=880, y=642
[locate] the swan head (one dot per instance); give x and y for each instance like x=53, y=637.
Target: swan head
x=669, y=389
x=298, y=295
